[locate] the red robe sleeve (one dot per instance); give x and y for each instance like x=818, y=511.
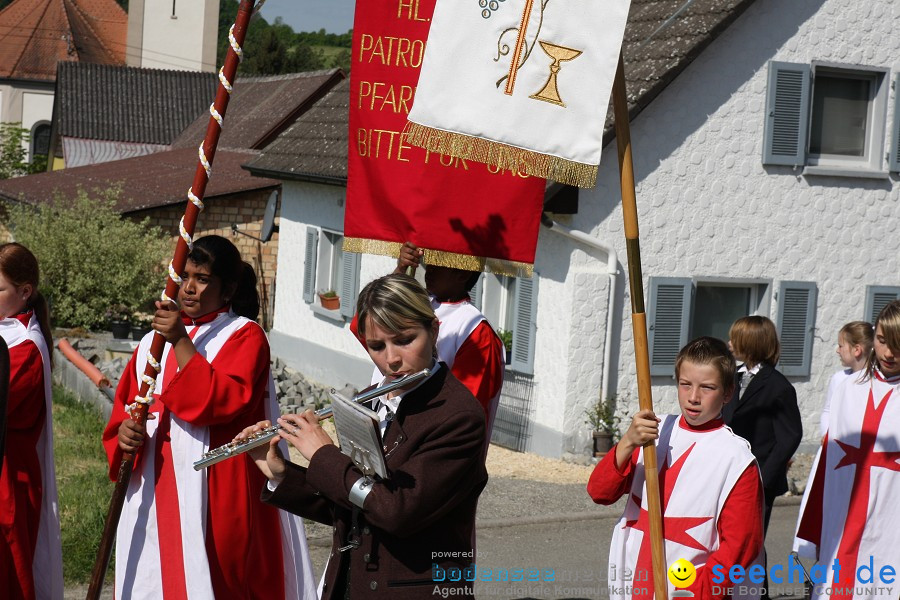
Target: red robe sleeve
x=479, y=365
x=25, y=403
x=609, y=482
x=125, y=393
x=740, y=528
x=204, y=395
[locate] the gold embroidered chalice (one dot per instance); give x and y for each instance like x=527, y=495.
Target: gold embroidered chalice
x=559, y=54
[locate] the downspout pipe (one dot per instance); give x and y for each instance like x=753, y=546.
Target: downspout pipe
x=612, y=270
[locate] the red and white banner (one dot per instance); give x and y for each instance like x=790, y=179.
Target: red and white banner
x=520, y=83
x=464, y=214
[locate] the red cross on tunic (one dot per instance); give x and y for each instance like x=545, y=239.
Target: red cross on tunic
x=675, y=529
x=863, y=457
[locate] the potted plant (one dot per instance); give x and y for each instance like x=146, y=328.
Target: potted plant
x=505, y=336
x=604, y=422
x=330, y=300
x=140, y=325
x=119, y=318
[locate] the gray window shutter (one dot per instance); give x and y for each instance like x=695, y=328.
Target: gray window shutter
x=309, y=265
x=349, y=283
x=877, y=297
x=669, y=321
x=524, y=331
x=477, y=292
x=796, y=326
x=787, y=114
x=895, y=130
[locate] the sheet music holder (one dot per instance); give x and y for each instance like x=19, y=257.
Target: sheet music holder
x=359, y=435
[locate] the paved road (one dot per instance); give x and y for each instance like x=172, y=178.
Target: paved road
x=575, y=548
x=526, y=525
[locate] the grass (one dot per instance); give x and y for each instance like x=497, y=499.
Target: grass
x=84, y=487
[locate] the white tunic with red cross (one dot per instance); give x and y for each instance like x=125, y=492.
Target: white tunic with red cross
x=851, y=509
x=697, y=472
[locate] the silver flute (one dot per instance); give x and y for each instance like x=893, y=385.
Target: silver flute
x=263, y=436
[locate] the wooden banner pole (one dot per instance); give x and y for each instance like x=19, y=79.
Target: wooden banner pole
x=639, y=325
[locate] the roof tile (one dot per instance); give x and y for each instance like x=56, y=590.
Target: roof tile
x=36, y=34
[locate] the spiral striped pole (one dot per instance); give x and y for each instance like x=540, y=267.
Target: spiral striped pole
x=206, y=153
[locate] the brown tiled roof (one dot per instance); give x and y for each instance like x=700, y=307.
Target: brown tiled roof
x=315, y=148
x=263, y=107
x=36, y=34
x=148, y=181
x=129, y=104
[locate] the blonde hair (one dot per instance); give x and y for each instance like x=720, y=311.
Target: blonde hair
x=394, y=302
x=709, y=351
x=755, y=340
x=889, y=319
x=859, y=333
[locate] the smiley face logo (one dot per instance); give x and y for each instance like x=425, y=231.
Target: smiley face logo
x=682, y=573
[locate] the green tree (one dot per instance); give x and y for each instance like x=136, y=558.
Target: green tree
x=12, y=150
x=13, y=157
x=268, y=49
x=91, y=257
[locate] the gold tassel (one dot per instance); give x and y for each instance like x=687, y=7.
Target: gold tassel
x=442, y=258
x=502, y=155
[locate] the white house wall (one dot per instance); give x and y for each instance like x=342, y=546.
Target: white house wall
x=322, y=348
x=709, y=208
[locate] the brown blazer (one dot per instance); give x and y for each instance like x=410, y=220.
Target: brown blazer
x=422, y=515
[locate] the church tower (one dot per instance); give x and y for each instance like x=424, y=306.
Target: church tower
x=173, y=34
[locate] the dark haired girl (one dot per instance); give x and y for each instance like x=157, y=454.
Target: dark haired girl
x=30, y=552
x=189, y=534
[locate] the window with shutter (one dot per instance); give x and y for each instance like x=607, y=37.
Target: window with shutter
x=796, y=326
x=524, y=330
x=349, y=283
x=877, y=297
x=476, y=294
x=895, y=130
x=669, y=321
x=787, y=110
x=309, y=265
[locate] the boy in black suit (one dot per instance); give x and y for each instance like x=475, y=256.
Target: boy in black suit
x=763, y=409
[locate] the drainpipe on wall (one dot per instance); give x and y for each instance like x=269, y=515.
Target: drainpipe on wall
x=612, y=270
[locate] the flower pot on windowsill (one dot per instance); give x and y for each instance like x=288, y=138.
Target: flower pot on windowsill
x=603, y=443
x=332, y=302
x=120, y=329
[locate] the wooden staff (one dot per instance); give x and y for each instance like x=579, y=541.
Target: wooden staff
x=639, y=325
x=206, y=152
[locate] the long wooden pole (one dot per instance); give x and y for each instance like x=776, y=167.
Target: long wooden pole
x=207, y=153
x=639, y=324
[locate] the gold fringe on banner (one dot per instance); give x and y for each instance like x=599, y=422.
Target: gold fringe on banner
x=502, y=155
x=441, y=258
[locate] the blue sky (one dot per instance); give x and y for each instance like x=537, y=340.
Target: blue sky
x=335, y=16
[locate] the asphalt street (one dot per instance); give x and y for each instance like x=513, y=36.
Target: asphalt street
x=574, y=548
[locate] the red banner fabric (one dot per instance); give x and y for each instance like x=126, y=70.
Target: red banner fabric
x=455, y=209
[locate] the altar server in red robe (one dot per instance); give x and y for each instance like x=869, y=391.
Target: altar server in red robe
x=190, y=534
x=30, y=552
x=712, y=497
x=850, y=510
